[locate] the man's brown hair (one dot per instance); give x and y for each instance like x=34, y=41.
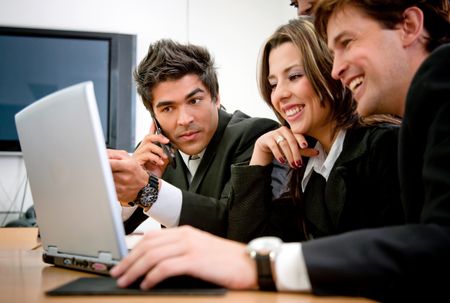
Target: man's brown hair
x=389, y=13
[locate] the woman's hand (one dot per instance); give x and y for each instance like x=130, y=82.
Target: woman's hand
x=283, y=145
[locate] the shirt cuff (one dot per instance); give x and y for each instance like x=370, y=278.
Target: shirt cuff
x=127, y=212
x=290, y=269
x=167, y=208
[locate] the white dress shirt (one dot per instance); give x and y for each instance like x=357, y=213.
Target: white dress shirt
x=323, y=163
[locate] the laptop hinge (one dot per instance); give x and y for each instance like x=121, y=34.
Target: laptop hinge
x=52, y=250
x=104, y=256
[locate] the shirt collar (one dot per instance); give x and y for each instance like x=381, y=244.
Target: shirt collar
x=323, y=163
x=185, y=157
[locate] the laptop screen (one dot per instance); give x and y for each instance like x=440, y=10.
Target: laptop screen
x=69, y=174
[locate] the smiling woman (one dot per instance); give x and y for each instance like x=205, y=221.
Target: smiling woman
x=332, y=191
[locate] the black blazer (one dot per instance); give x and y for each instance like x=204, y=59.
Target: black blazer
x=410, y=262
x=362, y=191
x=205, y=200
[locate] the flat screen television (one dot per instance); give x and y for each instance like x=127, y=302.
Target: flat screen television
x=36, y=62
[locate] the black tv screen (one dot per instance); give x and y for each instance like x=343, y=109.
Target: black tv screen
x=37, y=62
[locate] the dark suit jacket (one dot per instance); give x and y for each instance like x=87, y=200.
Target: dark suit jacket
x=205, y=200
x=410, y=262
x=362, y=191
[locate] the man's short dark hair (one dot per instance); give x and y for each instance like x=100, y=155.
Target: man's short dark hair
x=168, y=60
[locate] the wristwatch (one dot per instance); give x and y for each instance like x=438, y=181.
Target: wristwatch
x=148, y=194
x=264, y=251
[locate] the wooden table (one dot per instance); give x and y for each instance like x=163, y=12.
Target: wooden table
x=25, y=278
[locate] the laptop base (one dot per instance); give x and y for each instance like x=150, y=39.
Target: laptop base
x=75, y=263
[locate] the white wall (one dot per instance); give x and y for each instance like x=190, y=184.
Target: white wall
x=233, y=31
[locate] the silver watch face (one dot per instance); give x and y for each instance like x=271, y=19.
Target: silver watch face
x=264, y=245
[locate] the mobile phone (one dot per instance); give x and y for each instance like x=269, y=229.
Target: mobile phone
x=167, y=148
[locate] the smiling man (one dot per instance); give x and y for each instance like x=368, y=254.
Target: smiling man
x=179, y=87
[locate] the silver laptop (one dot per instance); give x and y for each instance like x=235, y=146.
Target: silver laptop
x=65, y=156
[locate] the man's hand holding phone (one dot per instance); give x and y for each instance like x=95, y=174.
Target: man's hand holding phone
x=131, y=172
x=168, y=148
x=155, y=152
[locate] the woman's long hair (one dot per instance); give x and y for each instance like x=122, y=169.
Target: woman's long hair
x=318, y=64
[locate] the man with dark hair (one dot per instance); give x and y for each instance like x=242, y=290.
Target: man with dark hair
x=395, y=58
x=178, y=85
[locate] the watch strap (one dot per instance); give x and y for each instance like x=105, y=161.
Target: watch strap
x=153, y=181
x=265, y=276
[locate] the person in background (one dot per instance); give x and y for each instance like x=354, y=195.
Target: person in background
x=334, y=191
x=179, y=87
x=394, y=56
x=304, y=7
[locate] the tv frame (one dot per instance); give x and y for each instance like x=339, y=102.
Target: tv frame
x=122, y=92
